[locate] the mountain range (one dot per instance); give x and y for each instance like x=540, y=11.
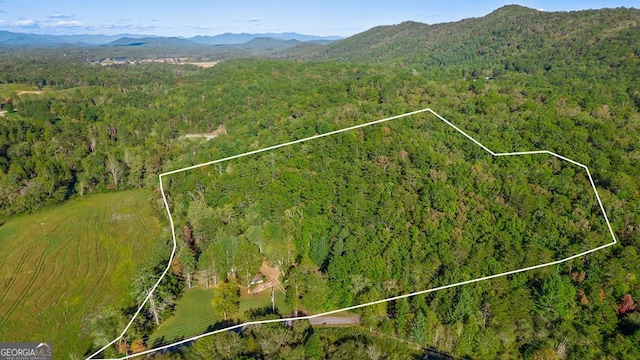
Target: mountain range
x=25, y=40
x=510, y=37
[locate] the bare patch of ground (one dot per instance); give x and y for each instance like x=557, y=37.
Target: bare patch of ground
x=221, y=130
x=273, y=275
x=203, y=64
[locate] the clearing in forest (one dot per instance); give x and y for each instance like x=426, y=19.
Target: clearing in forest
x=37, y=92
x=193, y=314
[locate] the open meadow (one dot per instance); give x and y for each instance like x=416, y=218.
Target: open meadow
x=194, y=315
x=60, y=265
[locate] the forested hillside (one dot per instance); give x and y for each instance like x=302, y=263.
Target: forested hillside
x=374, y=213
x=512, y=38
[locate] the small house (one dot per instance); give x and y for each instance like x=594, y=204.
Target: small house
x=258, y=279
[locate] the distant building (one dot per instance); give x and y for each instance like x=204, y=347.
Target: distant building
x=258, y=279
x=120, y=59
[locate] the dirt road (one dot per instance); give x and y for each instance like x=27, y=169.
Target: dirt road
x=335, y=320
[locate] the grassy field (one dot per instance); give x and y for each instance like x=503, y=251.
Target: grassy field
x=261, y=301
x=193, y=314
x=61, y=264
x=8, y=89
x=12, y=90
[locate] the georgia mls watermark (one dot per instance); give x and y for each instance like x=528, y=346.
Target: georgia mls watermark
x=26, y=351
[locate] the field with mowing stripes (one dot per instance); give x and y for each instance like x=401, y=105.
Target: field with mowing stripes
x=195, y=316
x=60, y=264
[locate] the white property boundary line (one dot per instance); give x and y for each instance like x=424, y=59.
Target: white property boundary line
x=173, y=233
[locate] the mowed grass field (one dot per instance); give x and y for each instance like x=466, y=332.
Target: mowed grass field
x=194, y=314
x=59, y=265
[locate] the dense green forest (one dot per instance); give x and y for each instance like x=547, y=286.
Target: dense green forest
x=394, y=208
x=512, y=38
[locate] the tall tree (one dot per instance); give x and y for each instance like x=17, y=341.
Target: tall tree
x=226, y=299
x=226, y=345
x=188, y=263
x=207, y=263
x=115, y=170
x=557, y=298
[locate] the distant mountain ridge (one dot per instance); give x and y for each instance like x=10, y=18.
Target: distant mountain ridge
x=232, y=39
x=9, y=39
x=153, y=42
x=512, y=36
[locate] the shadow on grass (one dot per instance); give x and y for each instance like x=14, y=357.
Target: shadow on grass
x=221, y=325
x=157, y=342
x=264, y=313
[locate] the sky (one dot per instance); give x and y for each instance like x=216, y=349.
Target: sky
x=188, y=18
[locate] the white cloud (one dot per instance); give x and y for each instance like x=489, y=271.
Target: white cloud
x=58, y=15
x=1, y=21
x=68, y=23
x=541, y=9
x=25, y=23
x=253, y=19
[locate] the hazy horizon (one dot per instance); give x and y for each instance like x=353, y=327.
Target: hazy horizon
x=199, y=17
